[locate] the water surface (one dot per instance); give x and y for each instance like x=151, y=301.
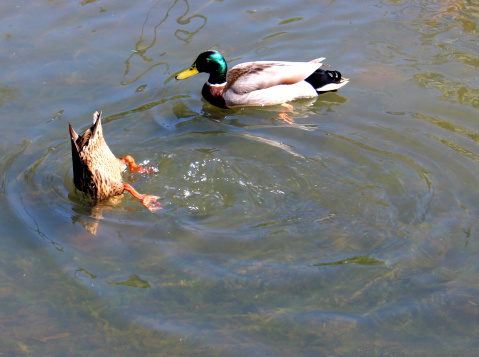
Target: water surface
x=351, y=232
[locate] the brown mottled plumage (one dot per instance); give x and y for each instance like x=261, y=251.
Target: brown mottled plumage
x=97, y=172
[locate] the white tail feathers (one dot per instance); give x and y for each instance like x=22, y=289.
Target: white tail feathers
x=333, y=86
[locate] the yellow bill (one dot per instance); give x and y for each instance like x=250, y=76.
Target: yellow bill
x=187, y=73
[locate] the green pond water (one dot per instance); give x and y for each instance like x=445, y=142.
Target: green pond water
x=352, y=232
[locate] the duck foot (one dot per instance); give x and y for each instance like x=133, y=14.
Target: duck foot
x=142, y=169
x=149, y=201
x=284, y=116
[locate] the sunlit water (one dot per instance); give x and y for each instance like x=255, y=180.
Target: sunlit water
x=351, y=232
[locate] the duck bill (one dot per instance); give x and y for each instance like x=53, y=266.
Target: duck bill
x=188, y=72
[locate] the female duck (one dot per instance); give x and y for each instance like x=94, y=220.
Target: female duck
x=97, y=172
x=263, y=82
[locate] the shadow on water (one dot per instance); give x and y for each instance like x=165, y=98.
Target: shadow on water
x=8, y=93
x=144, y=43
x=361, y=260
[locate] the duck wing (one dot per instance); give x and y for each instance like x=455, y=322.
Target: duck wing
x=251, y=76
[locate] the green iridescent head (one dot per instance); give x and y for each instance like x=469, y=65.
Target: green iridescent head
x=211, y=62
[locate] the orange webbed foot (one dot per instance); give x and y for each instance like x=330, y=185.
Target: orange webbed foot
x=284, y=116
x=149, y=201
x=142, y=169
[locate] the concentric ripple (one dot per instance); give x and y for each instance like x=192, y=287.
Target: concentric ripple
x=248, y=214
x=240, y=187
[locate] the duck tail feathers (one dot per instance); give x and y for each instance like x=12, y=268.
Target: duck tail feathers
x=325, y=81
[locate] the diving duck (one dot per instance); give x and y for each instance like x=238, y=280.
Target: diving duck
x=97, y=172
x=263, y=82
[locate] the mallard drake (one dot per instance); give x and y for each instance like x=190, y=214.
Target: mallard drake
x=97, y=172
x=263, y=82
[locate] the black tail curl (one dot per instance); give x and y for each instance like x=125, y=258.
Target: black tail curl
x=321, y=78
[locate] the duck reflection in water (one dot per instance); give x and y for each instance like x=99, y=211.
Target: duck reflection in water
x=98, y=173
